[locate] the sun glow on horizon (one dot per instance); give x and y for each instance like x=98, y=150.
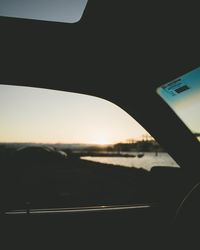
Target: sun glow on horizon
x=101, y=140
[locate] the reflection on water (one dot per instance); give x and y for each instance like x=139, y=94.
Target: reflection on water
x=147, y=161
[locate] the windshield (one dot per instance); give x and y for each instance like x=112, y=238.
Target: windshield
x=84, y=124
x=183, y=96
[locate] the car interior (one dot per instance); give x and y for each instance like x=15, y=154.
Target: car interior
x=122, y=53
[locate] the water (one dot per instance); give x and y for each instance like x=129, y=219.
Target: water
x=147, y=161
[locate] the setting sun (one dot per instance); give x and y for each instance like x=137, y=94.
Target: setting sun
x=102, y=141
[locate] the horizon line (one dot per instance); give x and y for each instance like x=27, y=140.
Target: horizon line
x=73, y=143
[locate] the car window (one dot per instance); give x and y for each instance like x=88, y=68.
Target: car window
x=62, y=149
x=68, y=11
x=183, y=96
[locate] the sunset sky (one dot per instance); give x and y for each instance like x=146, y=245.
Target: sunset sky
x=49, y=116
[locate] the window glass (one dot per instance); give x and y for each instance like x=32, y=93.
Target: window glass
x=183, y=96
x=69, y=11
x=61, y=149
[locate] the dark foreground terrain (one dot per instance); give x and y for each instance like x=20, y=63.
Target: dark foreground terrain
x=42, y=177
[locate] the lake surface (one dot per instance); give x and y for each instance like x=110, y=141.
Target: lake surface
x=147, y=161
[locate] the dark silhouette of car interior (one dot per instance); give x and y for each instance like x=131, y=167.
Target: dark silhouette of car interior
x=120, y=53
